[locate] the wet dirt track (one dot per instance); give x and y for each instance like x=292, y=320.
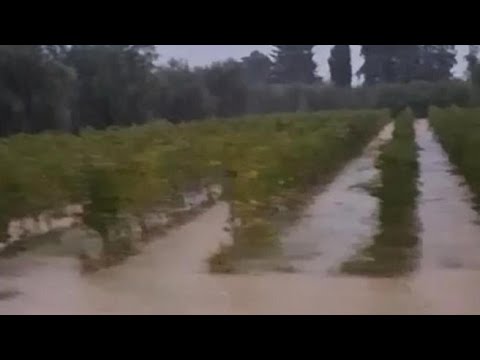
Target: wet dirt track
x=340, y=218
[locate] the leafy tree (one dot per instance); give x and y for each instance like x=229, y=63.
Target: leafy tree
x=35, y=90
x=405, y=63
x=293, y=64
x=372, y=68
x=179, y=93
x=436, y=62
x=406, y=60
x=225, y=81
x=476, y=75
x=257, y=67
x=389, y=63
x=340, y=65
x=472, y=59
x=63, y=87
x=113, y=83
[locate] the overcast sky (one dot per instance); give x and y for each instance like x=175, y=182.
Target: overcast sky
x=198, y=55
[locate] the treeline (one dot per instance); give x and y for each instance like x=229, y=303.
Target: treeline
x=60, y=87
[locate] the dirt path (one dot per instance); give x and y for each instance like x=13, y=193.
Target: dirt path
x=451, y=234
x=170, y=276
x=340, y=217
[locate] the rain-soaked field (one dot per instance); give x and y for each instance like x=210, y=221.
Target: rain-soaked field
x=340, y=241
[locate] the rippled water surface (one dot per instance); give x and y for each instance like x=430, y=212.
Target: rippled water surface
x=170, y=275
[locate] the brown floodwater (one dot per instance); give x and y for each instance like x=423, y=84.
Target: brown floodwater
x=340, y=218
x=451, y=233
x=170, y=276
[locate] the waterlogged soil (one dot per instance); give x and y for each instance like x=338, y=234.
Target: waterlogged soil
x=340, y=218
x=451, y=231
x=171, y=276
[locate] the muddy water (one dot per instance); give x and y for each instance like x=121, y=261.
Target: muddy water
x=170, y=276
x=341, y=217
x=451, y=234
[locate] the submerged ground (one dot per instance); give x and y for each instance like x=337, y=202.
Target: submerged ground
x=170, y=275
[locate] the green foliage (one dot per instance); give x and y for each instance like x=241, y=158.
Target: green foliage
x=472, y=59
x=394, y=250
x=257, y=67
x=276, y=161
x=35, y=90
x=436, y=62
x=179, y=94
x=340, y=65
x=405, y=63
x=459, y=133
x=70, y=87
x=388, y=63
x=293, y=64
x=399, y=172
x=420, y=95
x=113, y=83
x=112, y=172
x=475, y=76
x=226, y=82
x=272, y=161
x=103, y=194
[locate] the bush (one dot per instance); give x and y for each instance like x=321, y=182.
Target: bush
x=393, y=251
x=459, y=133
x=420, y=95
x=276, y=161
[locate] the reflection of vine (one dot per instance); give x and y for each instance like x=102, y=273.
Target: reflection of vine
x=395, y=247
x=458, y=132
x=270, y=161
x=272, y=169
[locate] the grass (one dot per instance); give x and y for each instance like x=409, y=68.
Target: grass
x=458, y=131
x=394, y=247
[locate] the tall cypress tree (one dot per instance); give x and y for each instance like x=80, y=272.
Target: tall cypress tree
x=293, y=64
x=436, y=62
x=257, y=67
x=340, y=65
x=404, y=63
x=472, y=59
x=389, y=63
x=374, y=60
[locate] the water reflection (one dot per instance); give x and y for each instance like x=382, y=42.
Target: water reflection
x=394, y=252
x=171, y=275
x=450, y=229
x=339, y=217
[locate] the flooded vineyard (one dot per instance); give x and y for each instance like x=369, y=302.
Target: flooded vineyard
x=389, y=227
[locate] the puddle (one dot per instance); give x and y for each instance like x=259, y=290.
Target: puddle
x=340, y=217
x=171, y=276
x=450, y=235
x=169, y=270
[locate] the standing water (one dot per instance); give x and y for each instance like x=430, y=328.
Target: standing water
x=451, y=234
x=447, y=279
x=340, y=217
x=170, y=276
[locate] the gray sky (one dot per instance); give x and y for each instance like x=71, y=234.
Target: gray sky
x=198, y=55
